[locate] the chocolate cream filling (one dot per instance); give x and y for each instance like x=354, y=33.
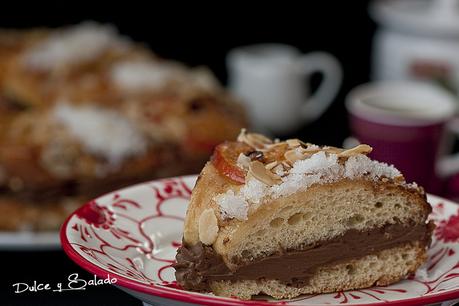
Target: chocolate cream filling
x=198, y=264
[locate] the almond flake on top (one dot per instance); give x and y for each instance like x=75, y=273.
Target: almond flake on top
x=243, y=161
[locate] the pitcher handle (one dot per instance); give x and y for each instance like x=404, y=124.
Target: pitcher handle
x=332, y=76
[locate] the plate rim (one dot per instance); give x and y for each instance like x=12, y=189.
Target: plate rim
x=192, y=297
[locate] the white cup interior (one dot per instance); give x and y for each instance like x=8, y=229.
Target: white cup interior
x=262, y=56
x=401, y=103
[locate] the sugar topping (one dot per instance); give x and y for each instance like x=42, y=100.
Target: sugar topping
x=360, y=165
x=315, y=166
x=74, y=45
x=101, y=131
x=232, y=206
x=153, y=75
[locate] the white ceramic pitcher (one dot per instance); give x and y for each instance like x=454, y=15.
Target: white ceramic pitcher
x=272, y=79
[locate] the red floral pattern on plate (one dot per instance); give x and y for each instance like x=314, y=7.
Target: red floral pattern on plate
x=448, y=230
x=96, y=215
x=134, y=233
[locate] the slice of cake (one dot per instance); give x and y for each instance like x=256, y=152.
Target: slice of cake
x=290, y=218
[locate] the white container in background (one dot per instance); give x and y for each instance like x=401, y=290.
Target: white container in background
x=272, y=81
x=417, y=40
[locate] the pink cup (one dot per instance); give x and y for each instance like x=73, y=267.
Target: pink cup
x=405, y=123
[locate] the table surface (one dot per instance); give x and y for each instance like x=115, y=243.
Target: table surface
x=52, y=267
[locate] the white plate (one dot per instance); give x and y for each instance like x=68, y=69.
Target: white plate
x=29, y=241
x=133, y=234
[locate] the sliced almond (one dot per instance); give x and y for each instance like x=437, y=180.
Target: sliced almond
x=293, y=143
x=260, y=138
x=254, y=140
x=271, y=165
x=293, y=155
x=277, y=179
x=279, y=170
x=312, y=151
x=286, y=165
x=249, y=176
x=360, y=149
x=311, y=146
x=258, y=170
x=275, y=145
x=242, y=135
x=331, y=150
x=257, y=141
x=208, y=227
x=243, y=161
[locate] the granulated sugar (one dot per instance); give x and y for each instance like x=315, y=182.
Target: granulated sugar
x=254, y=191
x=232, y=206
x=359, y=165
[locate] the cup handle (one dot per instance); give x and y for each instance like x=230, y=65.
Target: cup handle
x=449, y=164
x=332, y=73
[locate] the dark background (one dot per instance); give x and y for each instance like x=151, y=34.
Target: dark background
x=203, y=35
x=196, y=35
